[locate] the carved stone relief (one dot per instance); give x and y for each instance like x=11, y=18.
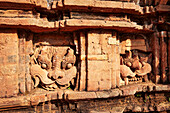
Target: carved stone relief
x=135, y=60
x=53, y=67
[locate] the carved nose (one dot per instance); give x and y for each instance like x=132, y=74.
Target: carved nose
x=60, y=77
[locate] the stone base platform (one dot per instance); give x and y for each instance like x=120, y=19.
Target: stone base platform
x=137, y=98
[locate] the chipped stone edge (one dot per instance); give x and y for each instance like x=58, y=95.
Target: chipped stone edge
x=32, y=23
x=69, y=95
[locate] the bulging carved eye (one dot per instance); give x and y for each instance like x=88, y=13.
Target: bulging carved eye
x=44, y=66
x=69, y=65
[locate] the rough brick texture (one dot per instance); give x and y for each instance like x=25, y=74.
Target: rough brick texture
x=9, y=63
x=102, y=70
x=21, y=50
x=15, y=47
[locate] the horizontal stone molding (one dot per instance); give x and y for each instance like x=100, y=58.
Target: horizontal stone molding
x=101, y=23
x=27, y=22
x=36, y=25
x=163, y=8
x=42, y=25
x=24, y=4
x=98, y=6
x=69, y=95
x=123, y=26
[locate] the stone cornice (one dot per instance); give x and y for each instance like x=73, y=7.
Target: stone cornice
x=42, y=25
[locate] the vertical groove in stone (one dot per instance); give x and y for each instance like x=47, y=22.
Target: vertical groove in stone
x=82, y=74
x=117, y=62
x=113, y=63
x=86, y=59
x=21, y=75
x=29, y=47
x=77, y=52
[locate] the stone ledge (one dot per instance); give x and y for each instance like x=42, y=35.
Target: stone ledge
x=88, y=6
x=40, y=96
x=36, y=25
x=14, y=102
x=109, y=94
x=27, y=22
x=118, y=109
x=42, y=25
x=101, y=23
x=164, y=106
x=77, y=95
x=96, y=6
x=99, y=6
x=77, y=24
x=110, y=5
x=163, y=8
x=16, y=1
x=38, y=3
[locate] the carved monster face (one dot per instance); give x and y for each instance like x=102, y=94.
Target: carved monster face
x=54, y=68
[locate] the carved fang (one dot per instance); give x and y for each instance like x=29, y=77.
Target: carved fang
x=37, y=81
x=37, y=71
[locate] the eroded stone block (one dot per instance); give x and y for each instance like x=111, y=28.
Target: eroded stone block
x=101, y=75
x=81, y=95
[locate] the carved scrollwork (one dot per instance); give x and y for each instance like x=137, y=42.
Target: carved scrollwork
x=52, y=68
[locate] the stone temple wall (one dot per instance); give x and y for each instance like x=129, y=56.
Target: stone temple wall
x=9, y=62
x=60, y=55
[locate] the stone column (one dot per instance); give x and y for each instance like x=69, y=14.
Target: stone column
x=112, y=58
x=82, y=73
x=168, y=33
x=156, y=56
x=163, y=48
x=21, y=75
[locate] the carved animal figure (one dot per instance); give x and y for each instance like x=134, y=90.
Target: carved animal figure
x=133, y=66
